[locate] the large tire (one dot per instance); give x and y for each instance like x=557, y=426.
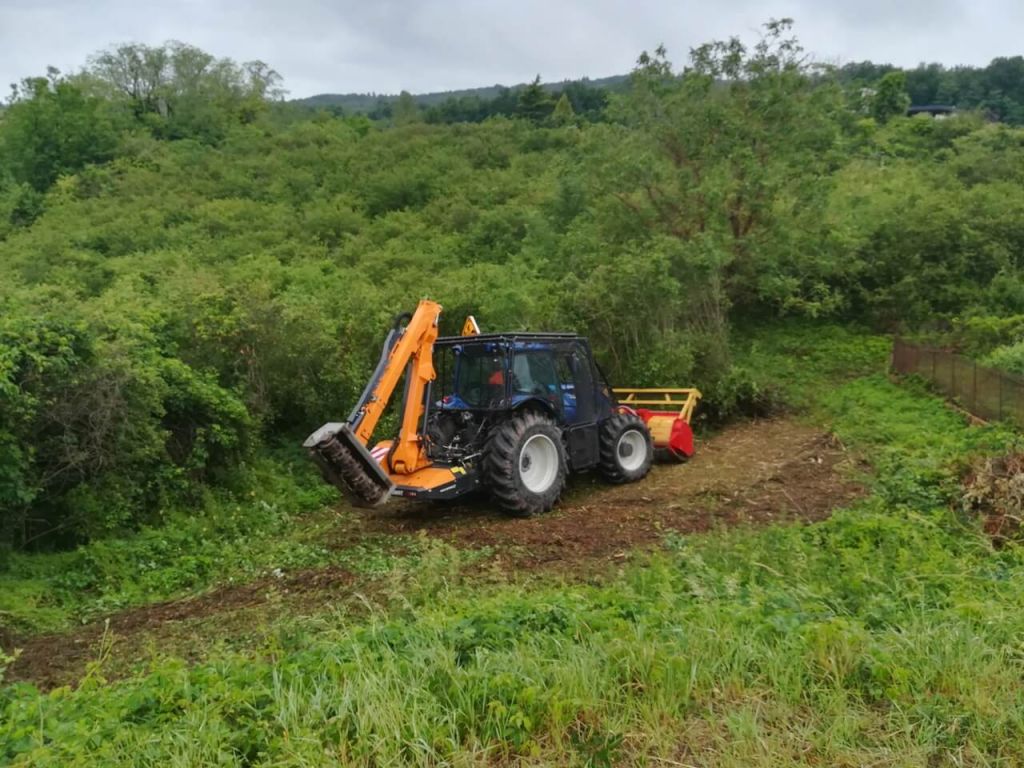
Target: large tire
x=627, y=450
x=525, y=464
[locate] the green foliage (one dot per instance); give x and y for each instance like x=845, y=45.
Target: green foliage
x=587, y=97
x=178, y=91
x=405, y=110
x=892, y=627
x=909, y=228
x=534, y=103
x=230, y=538
x=6, y=659
x=53, y=126
x=891, y=98
x=191, y=276
x=563, y=113
x=872, y=633
x=1007, y=358
x=978, y=334
x=994, y=89
x=739, y=393
x=93, y=430
x=223, y=269
x=725, y=162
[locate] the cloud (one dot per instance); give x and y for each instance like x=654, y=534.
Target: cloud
x=423, y=45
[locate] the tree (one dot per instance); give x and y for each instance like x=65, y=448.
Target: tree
x=534, y=102
x=586, y=100
x=53, y=127
x=924, y=84
x=563, y=113
x=405, y=109
x=180, y=91
x=726, y=161
x=891, y=98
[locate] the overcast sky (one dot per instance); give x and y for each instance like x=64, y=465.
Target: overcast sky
x=384, y=46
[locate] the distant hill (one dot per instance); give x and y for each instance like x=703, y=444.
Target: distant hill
x=366, y=102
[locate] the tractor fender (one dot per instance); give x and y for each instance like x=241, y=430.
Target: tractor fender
x=537, y=404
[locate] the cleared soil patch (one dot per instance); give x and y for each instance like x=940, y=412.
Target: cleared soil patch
x=58, y=659
x=758, y=472
x=753, y=473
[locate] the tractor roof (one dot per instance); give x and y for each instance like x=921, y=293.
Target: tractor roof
x=510, y=337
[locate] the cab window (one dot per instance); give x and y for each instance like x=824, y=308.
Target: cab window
x=533, y=373
x=472, y=377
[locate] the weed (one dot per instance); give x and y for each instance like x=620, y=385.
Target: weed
x=6, y=659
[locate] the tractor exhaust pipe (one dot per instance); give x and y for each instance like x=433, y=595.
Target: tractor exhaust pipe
x=345, y=463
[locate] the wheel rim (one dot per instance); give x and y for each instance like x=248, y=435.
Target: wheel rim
x=538, y=463
x=631, y=450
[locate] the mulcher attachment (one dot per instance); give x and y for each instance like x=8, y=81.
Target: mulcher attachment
x=346, y=464
x=669, y=421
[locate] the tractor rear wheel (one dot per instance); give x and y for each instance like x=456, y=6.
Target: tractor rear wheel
x=627, y=450
x=525, y=464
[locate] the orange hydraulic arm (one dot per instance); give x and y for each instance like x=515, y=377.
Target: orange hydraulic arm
x=413, y=354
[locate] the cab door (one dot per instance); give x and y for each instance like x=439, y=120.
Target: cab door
x=579, y=407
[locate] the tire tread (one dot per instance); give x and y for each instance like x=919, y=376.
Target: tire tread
x=611, y=431
x=500, y=468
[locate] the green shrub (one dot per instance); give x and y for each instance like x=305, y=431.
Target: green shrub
x=216, y=537
x=95, y=433
x=1007, y=358
x=738, y=393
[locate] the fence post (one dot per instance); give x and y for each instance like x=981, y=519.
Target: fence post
x=1001, y=379
x=1017, y=403
x=974, y=386
x=952, y=375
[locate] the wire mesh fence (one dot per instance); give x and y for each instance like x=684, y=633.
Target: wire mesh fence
x=986, y=392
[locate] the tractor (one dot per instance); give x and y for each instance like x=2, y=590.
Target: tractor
x=508, y=413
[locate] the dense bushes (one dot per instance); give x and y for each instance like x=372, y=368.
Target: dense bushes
x=171, y=309
x=94, y=431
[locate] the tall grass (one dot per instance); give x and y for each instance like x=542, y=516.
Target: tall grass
x=225, y=537
x=867, y=638
x=887, y=635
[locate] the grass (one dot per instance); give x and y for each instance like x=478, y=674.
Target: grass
x=886, y=635
x=280, y=526
x=868, y=638
x=798, y=359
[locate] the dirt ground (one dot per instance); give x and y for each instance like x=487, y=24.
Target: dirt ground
x=758, y=472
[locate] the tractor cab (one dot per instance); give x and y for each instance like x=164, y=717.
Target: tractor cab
x=554, y=373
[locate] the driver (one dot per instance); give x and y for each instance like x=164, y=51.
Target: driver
x=496, y=383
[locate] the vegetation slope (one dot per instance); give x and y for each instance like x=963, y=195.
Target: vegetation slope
x=195, y=276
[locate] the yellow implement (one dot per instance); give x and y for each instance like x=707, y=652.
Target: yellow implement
x=667, y=413
x=683, y=400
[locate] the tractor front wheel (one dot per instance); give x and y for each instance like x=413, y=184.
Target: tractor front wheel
x=627, y=450
x=525, y=464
